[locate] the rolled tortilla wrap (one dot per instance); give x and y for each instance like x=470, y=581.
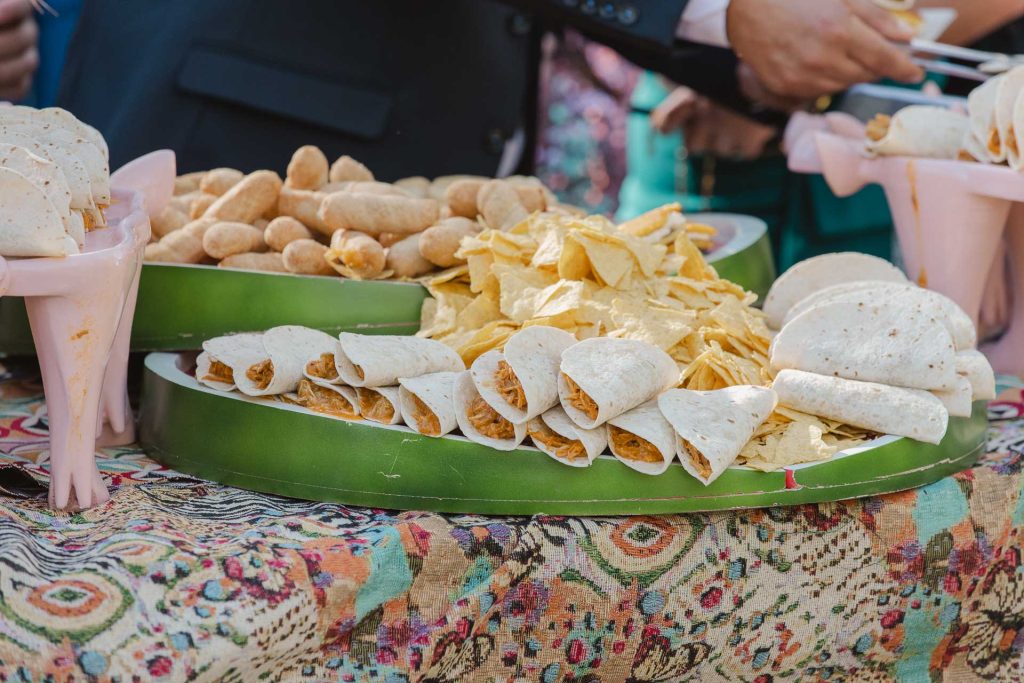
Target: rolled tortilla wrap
x=565, y=441
x=602, y=378
x=329, y=399
x=380, y=360
x=479, y=422
x=881, y=408
x=324, y=368
x=868, y=292
x=380, y=404
x=428, y=402
x=818, y=272
x=286, y=349
x=921, y=131
x=900, y=345
x=1007, y=94
x=642, y=439
x=30, y=225
x=981, y=108
x=975, y=367
x=521, y=381
x=958, y=399
x=95, y=164
x=712, y=427
x=223, y=357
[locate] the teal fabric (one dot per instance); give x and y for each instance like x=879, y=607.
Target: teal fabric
x=804, y=218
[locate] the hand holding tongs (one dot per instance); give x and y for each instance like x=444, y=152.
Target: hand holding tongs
x=988, y=63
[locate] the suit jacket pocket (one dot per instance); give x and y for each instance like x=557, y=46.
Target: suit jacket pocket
x=307, y=98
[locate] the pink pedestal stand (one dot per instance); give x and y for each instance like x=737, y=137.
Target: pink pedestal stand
x=80, y=309
x=951, y=220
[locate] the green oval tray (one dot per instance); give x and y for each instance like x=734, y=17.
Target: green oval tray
x=282, y=449
x=181, y=306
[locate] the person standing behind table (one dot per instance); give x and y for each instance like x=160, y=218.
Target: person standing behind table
x=56, y=26
x=403, y=85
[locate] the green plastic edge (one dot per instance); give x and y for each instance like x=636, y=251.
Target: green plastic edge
x=265, y=447
x=753, y=268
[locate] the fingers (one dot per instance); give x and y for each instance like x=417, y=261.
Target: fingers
x=879, y=56
x=881, y=20
x=16, y=75
x=17, y=38
x=14, y=11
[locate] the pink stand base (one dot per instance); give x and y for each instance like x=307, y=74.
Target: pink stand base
x=958, y=223
x=81, y=309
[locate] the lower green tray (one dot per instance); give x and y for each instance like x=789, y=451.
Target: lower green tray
x=283, y=449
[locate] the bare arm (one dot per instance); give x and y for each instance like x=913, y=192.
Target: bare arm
x=976, y=19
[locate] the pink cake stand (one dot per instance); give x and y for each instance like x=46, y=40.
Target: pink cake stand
x=80, y=309
x=951, y=220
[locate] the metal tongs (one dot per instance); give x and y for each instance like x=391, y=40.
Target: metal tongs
x=988, y=63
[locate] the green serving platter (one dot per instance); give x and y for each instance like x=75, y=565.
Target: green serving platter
x=283, y=449
x=181, y=306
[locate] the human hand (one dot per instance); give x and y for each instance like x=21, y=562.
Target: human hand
x=19, y=53
x=709, y=128
x=808, y=48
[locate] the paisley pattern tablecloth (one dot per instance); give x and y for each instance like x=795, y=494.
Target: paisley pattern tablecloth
x=176, y=579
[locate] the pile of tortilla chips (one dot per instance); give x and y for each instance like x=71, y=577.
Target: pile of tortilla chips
x=646, y=280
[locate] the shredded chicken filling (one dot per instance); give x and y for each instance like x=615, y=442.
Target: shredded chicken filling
x=567, y=449
x=508, y=385
x=486, y=420
x=261, y=374
x=1011, y=140
x=878, y=127
x=993, y=142
x=324, y=400
x=359, y=372
x=426, y=419
x=579, y=399
x=374, y=406
x=219, y=372
x=632, y=447
x=323, y=367
x=697, y=459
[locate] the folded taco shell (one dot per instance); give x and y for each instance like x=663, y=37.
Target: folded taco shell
x=901, y=345
x=521, y=381
x=881, y=408
x=428, y=402
x=973, y=365
x=602, y=378
x=981, y=110
x=380, y=360
x=30, y=225
x=642, y=439
x=958, y=399
x=713, y=426
x=481, y=423
x=818, y=272
x=565, y=441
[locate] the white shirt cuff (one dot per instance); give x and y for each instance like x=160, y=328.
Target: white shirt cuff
x=703, y=21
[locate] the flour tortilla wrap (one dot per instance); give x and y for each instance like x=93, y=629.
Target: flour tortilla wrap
x=30, y=225
x=952, y=317
x=533, y=355
x=380, y=404
x=1010, y=86
x=819, y=272
x=713, y=426
x=981, y=109
x=329, y=399
x=223, y=357
x=958, y=399
x=60, y=117
x=884, y=409
x=48, y=177
x=428, y=402
x=611, y=376
x=471, y=410
x=286, y=350
x=922, y=131
x=380, y=360
x=71, y=166
x=89, y=154
x=563, y=440
x=973, y=149
x=975, y=367
x=642, y=439
x=901, y=345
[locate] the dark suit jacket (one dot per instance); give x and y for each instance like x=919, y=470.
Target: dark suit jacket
x=407, y=86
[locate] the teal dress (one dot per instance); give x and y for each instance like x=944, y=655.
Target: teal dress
x=804, y=218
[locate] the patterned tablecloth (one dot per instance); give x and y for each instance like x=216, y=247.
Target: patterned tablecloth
x=177, y=579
